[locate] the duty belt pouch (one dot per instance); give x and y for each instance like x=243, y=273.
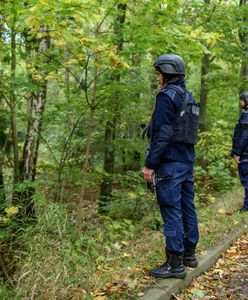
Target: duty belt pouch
x=191, y=126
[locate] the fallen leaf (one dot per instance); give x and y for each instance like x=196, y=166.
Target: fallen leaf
x=117, y=246
x=140, y=294
x=127, y=255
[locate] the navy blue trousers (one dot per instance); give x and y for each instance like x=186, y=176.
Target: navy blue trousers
x=175, y=196
x=243, y=175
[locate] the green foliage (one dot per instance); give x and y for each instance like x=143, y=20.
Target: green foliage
x=80, y=67
x=215, y=168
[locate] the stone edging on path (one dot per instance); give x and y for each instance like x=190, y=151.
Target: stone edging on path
x=165, y=287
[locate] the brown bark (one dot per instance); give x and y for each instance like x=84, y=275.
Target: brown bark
x=204, y=92
x=34, y=126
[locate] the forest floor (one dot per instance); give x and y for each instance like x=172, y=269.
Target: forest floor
x=216, y=222
x=227, y=279
x=112, y=258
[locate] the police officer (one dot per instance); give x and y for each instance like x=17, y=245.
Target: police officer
x=172, y=162
x=240, y=146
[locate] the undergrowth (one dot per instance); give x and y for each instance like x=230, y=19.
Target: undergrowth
x=111, y=258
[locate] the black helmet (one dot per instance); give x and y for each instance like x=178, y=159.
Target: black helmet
x=244, y=96
x=170, y=64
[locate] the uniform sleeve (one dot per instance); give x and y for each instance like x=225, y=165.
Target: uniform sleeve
x=163, y=129
x=240, y=138
x=235, y=140
x=243, y=141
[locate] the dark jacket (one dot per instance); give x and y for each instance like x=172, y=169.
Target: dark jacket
x=162, y=148
x=240, y=137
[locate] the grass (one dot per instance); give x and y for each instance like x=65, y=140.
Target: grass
x=111, y=258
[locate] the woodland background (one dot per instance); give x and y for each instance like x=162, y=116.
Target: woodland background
x=77, y=85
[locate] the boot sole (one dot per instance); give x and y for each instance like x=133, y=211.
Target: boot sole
x=178, y=275
x=191, y=264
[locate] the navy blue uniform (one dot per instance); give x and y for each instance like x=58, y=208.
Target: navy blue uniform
x=240, y=148
x=173, y=163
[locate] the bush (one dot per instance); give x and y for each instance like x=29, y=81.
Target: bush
x=215, y=168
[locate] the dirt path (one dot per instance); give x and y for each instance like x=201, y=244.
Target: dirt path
x=228, y=278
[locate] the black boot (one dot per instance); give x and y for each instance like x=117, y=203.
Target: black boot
x=172, y=268
x=189, y=258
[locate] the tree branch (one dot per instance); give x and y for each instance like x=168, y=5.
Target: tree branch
x=109, y=11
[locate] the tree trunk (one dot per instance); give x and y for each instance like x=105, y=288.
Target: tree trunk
x=2, y=140
x=85, y=169
x=110, y=130
x=204, y=89
x=109, y=156
x=204, y=92
x=89, y=131
x=31, y=145
x=243, y=35
x=12, y=104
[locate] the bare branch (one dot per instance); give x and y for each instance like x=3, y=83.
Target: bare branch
x=102, y=72
x=49, y=148
x=108, y=12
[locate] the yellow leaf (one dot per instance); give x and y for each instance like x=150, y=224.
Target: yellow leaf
x=32, y=21
x=44, y=2
x=221, y=211
x=125, y=243
x=193, y=34
x=11, y=211
x=132, y=195
x=3, y=219
x=127, y=255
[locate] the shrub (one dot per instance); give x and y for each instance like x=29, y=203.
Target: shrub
x=215, y=168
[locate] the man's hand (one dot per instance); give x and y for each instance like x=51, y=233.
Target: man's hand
x=237, y=159
x=147, y=173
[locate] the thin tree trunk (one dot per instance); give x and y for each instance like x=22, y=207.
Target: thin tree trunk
x=136, y=155
x=110, y=130
x=59, y=191
x=31, y=145
x=67, y=79
x=89, y=132
x=2, y=142
x=13, y=109
x=204, y=92
x=204, y=89
x=134, y=161
x=243, y=35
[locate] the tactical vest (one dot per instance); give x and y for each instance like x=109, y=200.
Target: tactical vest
x=187, y=118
